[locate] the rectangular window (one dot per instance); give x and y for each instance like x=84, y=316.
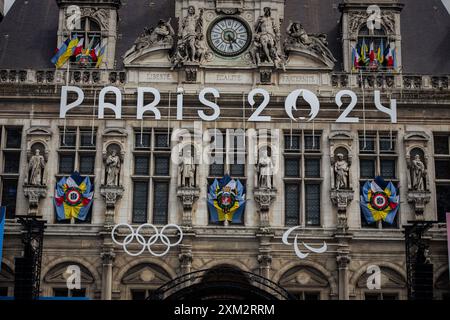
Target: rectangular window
x=87, y=164
x=377, y=158
x=312, y=143
x=237, y=170
x=66, y=163
x=12, y=162
x=141, y=165
x=443, y=201
x=88, y=139
x=292, y=204
x=142, y=140
x=292, y=143
x=292, y=167
x=217, y=168
x=367, y=169
x=140, y=201
x=13, y=138
x=312, y=210
x=162, y=141
x=162, y=165
x=388, y=169
x=9, y=197
x=387, y=143
x=442, y=169
x=68, y=138
x=160, y=202
x=367, y=143
x=312, y=168
x=441, y=144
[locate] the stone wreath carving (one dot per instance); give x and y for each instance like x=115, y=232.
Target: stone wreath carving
x=298, y=39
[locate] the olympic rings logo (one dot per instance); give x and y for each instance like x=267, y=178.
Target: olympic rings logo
x=154, y=238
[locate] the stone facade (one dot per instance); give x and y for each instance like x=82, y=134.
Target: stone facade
x=30, y=100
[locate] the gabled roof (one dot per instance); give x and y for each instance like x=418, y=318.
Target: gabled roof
x=28, y=34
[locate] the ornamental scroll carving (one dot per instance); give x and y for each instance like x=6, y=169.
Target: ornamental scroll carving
x=358, y=18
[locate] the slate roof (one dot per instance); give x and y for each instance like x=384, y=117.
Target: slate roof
x=28, y=33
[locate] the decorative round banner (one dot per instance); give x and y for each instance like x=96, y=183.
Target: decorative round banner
x=379, y=201
x=72, y=197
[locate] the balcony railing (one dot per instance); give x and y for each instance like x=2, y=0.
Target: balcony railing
x=369, y=80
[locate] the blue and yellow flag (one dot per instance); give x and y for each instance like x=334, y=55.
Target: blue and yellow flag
x=100, y=56
x=65, y=52
x=73, y=197
x=2, y=231
x=379, y=201
x=226, y=200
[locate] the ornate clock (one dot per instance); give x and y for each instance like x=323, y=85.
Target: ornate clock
x=229, y=36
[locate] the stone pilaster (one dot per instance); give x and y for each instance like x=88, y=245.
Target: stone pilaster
x=107, y=268
x=343, y=261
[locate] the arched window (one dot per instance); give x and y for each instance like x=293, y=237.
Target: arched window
x=374, y=51
x=90, y=39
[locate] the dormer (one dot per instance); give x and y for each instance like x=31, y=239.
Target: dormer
x=95, y=23
x=371, y=35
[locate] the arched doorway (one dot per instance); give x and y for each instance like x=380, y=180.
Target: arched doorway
x=223, y=283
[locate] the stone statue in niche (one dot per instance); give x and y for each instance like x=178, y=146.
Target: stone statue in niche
x=161, y=35
x=265, y=171
x=418, y=174
x=191, y=29
x=36, y=167
x=266, y=41
x=113, y=164
x=187, y=169
x=298, y=38
x=341, y=169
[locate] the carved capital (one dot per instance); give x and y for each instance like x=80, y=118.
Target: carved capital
x=111, y=194
x=108, y=256
x=185, y=258
x=343, y=261
x=342, y=198
x=188, y=196
x=34, y=195
x=264, y=260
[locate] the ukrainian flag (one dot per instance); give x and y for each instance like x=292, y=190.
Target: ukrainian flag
x=100, y=56
x=65, y=52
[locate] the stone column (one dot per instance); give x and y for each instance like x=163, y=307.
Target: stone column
x=108, y=259
x=342, y=261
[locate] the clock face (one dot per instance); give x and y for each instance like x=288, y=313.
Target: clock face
x=229, y=37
